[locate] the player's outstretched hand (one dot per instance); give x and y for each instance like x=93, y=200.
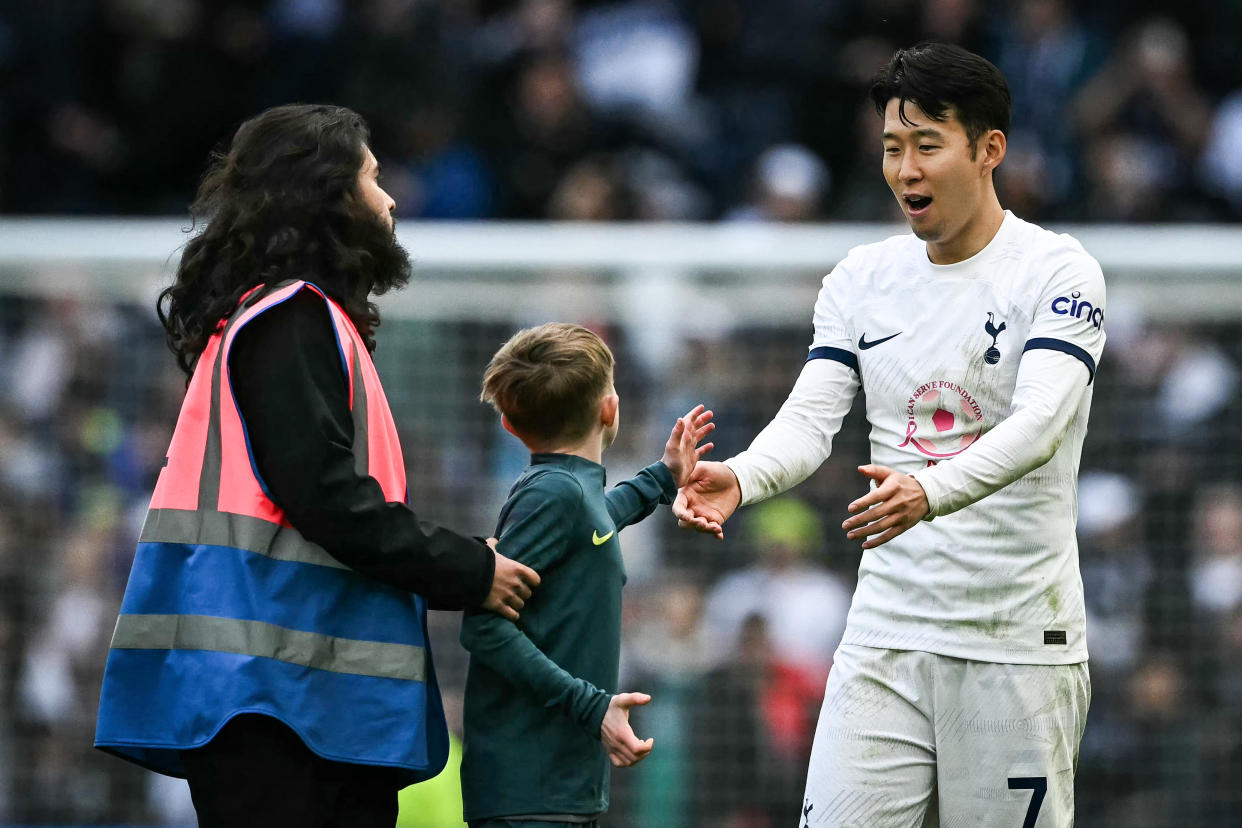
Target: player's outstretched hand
x=893, y=506
x=511, y=585
x=707, y=499
x=682, y=451
x=624, y=748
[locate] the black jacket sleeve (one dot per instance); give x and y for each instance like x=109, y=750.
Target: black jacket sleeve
x=292, y=392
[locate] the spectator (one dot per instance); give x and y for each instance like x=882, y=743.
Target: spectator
x=802, y=604
x=590, y=190
x=547, y=127
x=790, y=184
x=635, y=56
x=60, y=682
x=738, y=780
x=1221, y=164
x=438, y=173
x=101, y=124
x=1116, y=574
x=1145, y=119
x=1046, y=56
x=1216, y=574
x=1166, y=773
x=666, y=656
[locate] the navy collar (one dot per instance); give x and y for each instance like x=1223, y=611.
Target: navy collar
x=572, y=463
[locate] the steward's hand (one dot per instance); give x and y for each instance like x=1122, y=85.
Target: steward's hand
x=511, y=585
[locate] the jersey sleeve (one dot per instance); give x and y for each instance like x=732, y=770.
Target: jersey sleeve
x=1069, y=315
x=632, y=500
x=506, y=649
x=833, y=334
x=799, y=438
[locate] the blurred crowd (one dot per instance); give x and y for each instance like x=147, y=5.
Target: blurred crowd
x=733, y=638
x=1124, y=110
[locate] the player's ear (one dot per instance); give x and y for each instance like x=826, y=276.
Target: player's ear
x=504, y=421
x=992, y=146
x=609, y=405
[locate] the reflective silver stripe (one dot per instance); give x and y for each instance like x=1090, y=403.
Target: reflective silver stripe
x=213, y=451
x=257, y=638
x=362, y=457
x=238, y=531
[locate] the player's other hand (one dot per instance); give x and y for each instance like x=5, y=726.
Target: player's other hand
x=707, y=499
x=682, y=451
x=511, y=585
x=893, y=506
x=624, y=748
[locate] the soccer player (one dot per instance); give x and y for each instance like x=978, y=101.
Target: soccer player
x=542, y=716
x=271, y=646
x=962, y=673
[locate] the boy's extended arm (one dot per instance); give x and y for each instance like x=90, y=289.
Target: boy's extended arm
x=632, y=500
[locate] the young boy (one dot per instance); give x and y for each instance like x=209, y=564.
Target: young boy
x=541, y=718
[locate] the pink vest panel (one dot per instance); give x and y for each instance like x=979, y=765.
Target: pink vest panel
x=240, y=491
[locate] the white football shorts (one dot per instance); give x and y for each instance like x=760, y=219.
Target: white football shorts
x=908, y=739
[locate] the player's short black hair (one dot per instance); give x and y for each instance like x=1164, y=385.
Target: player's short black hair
x=939, y=76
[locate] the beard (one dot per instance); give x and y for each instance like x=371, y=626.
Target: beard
x=390, y=266
x=364, y=260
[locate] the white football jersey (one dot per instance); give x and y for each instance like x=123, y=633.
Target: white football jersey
x=936, y=349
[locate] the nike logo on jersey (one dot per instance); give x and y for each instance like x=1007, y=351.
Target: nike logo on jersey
x=597, y=540
x=863, y=344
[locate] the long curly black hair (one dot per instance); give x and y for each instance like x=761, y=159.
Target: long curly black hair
x=282, y=203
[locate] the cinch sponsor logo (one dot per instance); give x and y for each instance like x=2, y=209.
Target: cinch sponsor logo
x=1078, y=310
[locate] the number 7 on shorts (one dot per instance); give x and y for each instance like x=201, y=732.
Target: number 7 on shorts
x=1039, y=787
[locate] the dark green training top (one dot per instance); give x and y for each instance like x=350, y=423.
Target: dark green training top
x=537, y=690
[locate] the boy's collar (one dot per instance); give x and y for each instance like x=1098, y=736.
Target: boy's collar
x=565, y=460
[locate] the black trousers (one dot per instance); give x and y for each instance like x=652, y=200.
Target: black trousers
x=257, y=772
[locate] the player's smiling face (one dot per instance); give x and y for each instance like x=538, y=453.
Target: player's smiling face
x=944, y=187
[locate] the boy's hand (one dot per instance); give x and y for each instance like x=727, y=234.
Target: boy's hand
x=624, y=748
x=682, y=451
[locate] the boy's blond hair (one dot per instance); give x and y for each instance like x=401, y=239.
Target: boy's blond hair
x=548, y=380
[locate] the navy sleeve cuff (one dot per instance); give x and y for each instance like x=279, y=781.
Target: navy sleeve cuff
x=1064, y=347
x=847, y=358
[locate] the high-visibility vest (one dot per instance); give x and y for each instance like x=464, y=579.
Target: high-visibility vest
x=230, y=610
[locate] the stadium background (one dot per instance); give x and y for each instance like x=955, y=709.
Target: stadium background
x=748, y=115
